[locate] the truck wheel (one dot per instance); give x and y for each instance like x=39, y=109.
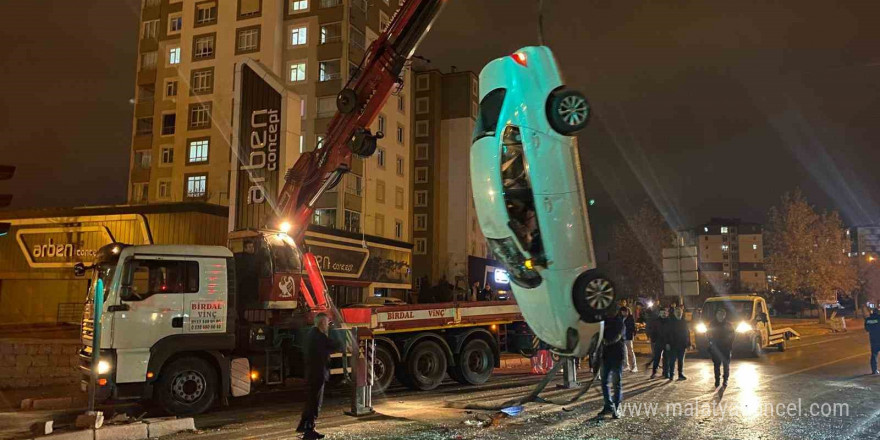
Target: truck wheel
x=593, y=294
x=426, y=365
x=383, y=369
x=186, y=386
x=475, y=363
x=756, y=346
x=567, y=111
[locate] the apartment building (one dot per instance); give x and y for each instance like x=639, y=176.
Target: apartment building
x=730, y=254
x=184, y=95
x=445, y=227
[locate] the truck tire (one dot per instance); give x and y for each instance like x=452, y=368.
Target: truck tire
x=425, y=366
x=474, y=364
x=186, y=386
x=383, y=369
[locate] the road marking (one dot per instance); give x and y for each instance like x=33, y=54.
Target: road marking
x=823, y=342
x=817, y=366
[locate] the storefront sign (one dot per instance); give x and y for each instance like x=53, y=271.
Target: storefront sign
x=61, y=247
x=337, y=260
x=501, y=276
x=258, y=144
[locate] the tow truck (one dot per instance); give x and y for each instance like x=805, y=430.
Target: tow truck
x=185, y=326
x=754, y=331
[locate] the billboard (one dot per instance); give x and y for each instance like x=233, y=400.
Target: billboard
x=61, y=247
x=258, y=135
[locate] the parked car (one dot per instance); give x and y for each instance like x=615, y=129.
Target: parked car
x=529, y=197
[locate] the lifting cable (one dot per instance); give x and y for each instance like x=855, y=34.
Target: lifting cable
x=540, y=22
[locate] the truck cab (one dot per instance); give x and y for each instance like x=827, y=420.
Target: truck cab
x=749, y=316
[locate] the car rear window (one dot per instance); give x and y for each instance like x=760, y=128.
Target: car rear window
x=490, y=110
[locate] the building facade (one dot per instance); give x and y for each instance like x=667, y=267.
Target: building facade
x=445, y=226
x=865, y=240
x=730, y=255
x=188, y=51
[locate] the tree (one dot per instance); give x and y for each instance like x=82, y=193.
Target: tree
x=868, y=280
x=636, y=264
x=807, y=250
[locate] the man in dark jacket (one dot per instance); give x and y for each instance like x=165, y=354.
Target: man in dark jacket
x=318, y=347
x=872, y=326
x=679, y=341
x=658, y=331
x=720, y=335
x=629, y=324
x=612, y=366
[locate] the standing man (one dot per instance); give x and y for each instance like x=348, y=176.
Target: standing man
x=872, y=326
x=720, y=334
x=629, y=324
x=318, y=347
x=657, y=332
x=679, y=341
x=612, y=366
x=475, y=291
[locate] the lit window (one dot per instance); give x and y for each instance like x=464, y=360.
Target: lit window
x=400, y=166
x=705, y=229
x=139, y=192
x=421, y=128
x=381, y=124
x=398, y=229
x=173, y=56
x=421, y=198
x=298, y=35
x=148, y=60
x=196, y=186
x=380, y=157
x=331, y=33
x=399, y=134
x=324, y=217
x=175, y=23
x=297, y=72
x=421, y=151
x=163, y=188
x=170, y=88
x=143, y=158
x=380, y=191
x=200, y=115
x=299, y=6
x=329, y=70
x=167, y=155
x=198, y=151
x=248, y=40
x=151, y=29
x=421, y=174
x=398, y=197
x=421, y=222
x=724, y=229
x=206, y=13
x=352, y=221
x=203, y=47
x=320, y=141
x=202, y=81
x=169, y=121
x=303, y=105
x=724, y=247
x=420, y=246
x=754, y=246
x=401, y=103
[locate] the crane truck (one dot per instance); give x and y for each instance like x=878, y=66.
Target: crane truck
x=186, y=326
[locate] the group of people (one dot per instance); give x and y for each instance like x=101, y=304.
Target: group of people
x=444, y=291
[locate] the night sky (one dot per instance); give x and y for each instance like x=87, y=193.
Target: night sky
x=708, y=108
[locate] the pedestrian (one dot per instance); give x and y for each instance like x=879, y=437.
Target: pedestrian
x=318, y=347
x=872, y=326
x=679, y=342
x=612, y=366
x=475, y=291
x=486, y=293
x=629, y=324
x=720, y=335
x=639, y=314
x=658, y=331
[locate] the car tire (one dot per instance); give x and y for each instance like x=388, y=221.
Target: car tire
x=475, y=363
x=186, y=386
x=567, y=111
x=383, y=369
x=593, y=294
x=426, y=365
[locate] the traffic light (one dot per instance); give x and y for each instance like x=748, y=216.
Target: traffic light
x=6, y=172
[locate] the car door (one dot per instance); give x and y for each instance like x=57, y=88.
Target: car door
x=150, y=308
x=205, y=303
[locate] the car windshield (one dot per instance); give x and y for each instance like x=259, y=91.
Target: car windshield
x=490, y=111
x=518, y=197
x=285, y=256
x=735, y=309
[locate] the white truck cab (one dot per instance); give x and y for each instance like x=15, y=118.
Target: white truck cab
x=750, y=318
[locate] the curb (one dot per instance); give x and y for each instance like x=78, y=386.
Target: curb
x=149, y=428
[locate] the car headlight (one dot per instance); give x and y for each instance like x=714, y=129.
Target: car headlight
x=743, y=327
x=103, y=367
x=701, y=328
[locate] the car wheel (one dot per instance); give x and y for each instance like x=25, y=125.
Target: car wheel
x=186, y=386
x=426, y=365
x=593, y=295
x=475, y=363
x=383, y=369
x=567, y=110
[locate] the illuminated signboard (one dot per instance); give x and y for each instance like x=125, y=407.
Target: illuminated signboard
x=501, y=276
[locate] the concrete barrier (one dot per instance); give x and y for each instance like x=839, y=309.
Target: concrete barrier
x=132, y=431
x=168, y=426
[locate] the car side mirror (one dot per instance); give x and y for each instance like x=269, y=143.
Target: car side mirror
x=79, y=269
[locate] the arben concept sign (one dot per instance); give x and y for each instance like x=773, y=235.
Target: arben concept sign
x=258, y=139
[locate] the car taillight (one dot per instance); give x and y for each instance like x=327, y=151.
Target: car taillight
x=520, y=59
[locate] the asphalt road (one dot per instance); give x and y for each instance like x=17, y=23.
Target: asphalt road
x=817, y=389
